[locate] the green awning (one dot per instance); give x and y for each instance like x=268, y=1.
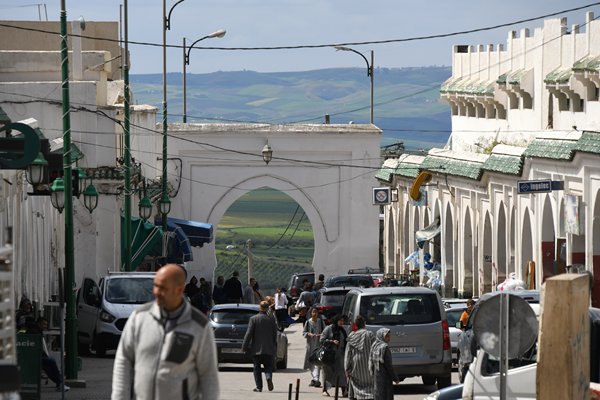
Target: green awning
x=144, y=237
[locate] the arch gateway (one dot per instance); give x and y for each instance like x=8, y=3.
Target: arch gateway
x=327, y=169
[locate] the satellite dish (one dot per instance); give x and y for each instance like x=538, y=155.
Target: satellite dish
x=522, y=325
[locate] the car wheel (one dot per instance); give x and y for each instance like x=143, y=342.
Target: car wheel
x=283, y=363
x=444, y=381
x=99, y=346
x=428, y=380
x=83, y=349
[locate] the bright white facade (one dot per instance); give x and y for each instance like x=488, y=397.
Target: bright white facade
x=527, y=111
x=327, y=169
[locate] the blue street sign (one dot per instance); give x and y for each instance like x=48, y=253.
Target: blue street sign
x=539, y=186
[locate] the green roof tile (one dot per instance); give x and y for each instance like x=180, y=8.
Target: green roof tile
x=588, y=63
x=385, y=174
x=589, y=142
x=559, y=76
x=466, y=169
x=465, y=86
x=407, y=170
x=504, y=164
x=551, y=148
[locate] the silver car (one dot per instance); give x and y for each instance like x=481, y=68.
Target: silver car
x=230, y=323
x=420, y=342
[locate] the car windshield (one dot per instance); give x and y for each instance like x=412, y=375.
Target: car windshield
x=333, y=299
x=129, y=290
x=453, y=315
x=400, y=309
x=232, y=316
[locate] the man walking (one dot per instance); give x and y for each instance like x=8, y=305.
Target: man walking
x=261, y=342
x=167, y=349
x=232, y=289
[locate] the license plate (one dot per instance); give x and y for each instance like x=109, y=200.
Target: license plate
x=231, y=350
x=403, y=350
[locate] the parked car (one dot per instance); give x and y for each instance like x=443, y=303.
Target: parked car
x=420, y=343
x=364, y=271
x=453, y=316
x=483, y=379
x=352, y=280
x=103, y=308
x=230, y=323
x=467, y=348
x=330, y=301
x=297, y=284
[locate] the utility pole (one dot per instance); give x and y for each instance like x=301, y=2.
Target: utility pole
x=250, y=259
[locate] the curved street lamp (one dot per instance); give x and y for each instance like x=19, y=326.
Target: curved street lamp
x=186, y=61
x=90, y=197
x=369, y=69
x=145, y=208
x=57, y=194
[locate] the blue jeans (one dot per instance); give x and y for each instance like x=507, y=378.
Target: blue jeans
x=51, y=369
x=260, y=360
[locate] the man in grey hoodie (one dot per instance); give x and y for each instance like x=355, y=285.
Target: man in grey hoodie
x=167, y=349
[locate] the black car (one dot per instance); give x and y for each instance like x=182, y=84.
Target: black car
x=297, y=284
x=351, y=280
x=230, y=323
x=330, y=301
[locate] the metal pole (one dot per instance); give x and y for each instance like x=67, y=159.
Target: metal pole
x=371, y=72
x=164, y=119
x=184, y=86
x=250, y=259
x=127, y=153
x=297, y=389
x=504, y=315
x=71, y=321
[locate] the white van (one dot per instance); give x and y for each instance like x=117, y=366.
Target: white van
x=103, y=308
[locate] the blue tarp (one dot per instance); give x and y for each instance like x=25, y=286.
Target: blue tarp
x=179, y=248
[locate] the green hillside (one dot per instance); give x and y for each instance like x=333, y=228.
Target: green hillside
x=406, y=99
x=281, y=234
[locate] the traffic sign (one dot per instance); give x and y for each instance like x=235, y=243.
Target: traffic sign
x=539, y=186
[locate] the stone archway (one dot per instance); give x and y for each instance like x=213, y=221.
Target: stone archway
x=527, y=252
x=406, y=238
x=328, y=169
x=450, y=278
x=501, y=249
x=487, y=277
x=471, y=276
x=390, y=259
x=548, y=246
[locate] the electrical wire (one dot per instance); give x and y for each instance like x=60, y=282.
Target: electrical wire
x=286, y=228
x=306, y=46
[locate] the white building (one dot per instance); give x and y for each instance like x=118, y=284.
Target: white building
x=527, y=111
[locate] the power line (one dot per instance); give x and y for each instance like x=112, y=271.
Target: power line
x=305, y=46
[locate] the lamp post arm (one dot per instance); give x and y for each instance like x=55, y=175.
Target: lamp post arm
x=168, y=18
x=189, y=49
x=369, y=66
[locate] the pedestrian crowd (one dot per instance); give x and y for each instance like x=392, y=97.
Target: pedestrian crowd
x=360, y=363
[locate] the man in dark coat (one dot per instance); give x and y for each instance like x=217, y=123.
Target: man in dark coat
x=233, y=289
x=261, y=342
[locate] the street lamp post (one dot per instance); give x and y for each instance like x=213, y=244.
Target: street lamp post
x=166, y=26
x=70, y=322
x=186, y=61
x=370, y=70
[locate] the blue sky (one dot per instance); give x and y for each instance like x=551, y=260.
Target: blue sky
x=265, y=23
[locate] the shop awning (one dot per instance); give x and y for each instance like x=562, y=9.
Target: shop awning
x=198, y=233
x=144, y=238
x=179, y=248
x=428, y=233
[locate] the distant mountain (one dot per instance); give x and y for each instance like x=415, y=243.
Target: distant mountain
x=407, y=103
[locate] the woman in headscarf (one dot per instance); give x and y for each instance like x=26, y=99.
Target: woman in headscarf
x=380, y=365
x=358, y=348
x=335, y=335
x=313, y=327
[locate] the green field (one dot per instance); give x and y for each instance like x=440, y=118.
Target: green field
x=280, y=232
